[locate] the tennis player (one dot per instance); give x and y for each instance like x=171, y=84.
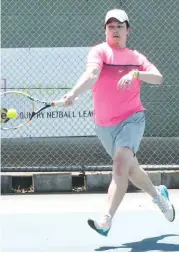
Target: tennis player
x=114, y=73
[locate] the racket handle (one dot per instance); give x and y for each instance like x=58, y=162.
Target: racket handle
x=61, y=102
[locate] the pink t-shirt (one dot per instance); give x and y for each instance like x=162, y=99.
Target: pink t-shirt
x=113, y=105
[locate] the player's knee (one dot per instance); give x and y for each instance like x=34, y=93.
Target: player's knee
x=121, y=160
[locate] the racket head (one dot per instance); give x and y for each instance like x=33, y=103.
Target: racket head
x=25, y=106
x=20, y=102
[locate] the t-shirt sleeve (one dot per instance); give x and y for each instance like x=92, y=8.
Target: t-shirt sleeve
x=95, y=57
x=146, y=65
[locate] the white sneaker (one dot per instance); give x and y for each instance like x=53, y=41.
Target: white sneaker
x=163, y=202
x=103, y=226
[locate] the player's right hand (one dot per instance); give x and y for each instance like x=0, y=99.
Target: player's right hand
x=68, y=99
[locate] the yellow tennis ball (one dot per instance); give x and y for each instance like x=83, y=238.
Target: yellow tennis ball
x=12, y=114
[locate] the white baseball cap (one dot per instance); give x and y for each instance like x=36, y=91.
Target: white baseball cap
x=120, y=15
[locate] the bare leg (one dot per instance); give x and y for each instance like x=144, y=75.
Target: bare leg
x=119, y=184
x=140, y=178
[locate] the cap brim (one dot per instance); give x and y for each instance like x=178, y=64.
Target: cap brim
x=120, y=20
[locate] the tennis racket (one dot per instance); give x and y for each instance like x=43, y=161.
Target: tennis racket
x=19, y=108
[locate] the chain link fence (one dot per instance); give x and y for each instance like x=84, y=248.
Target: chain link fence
x=44, y=48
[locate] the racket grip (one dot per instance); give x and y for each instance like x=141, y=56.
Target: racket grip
x=61, y=102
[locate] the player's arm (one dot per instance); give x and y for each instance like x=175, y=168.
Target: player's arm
x=149, y=73
x=152, y=76
x=86, y=81
x=88, y=78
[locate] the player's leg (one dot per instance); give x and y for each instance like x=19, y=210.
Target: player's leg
x=122, y=156
x=160, y=194
x=116, y=191
x=120, y=142
x=119, y=184
x=140, y=178
x=127, y=142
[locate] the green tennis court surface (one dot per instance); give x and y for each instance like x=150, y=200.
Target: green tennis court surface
x=55, y=223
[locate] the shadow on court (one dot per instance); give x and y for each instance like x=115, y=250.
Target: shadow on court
x=147, y=244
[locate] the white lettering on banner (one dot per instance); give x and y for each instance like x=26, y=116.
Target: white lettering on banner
x=33, y=72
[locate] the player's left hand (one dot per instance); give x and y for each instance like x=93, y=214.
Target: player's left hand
x=126, y=81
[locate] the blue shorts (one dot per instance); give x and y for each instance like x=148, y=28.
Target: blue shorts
x=127, y=133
